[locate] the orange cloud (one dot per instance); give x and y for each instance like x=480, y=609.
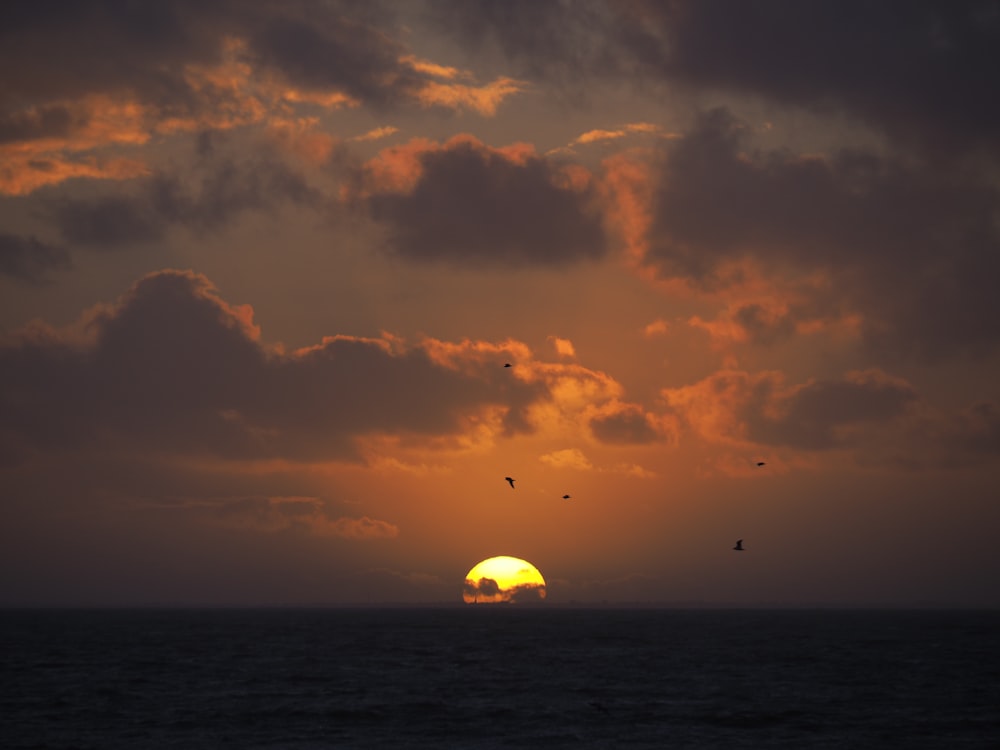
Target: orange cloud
x=568, y=458
x=477, y=354
x=301, y=137
x=481, y=99
x=628, y=184
x=563, y=347
x=433, y=69
x=20, y=176
x=376, y=134
x=221, y=96
x=658, y=327
x=743, y=409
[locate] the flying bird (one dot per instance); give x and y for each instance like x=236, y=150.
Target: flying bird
x=508, y=364
x=761, y=463
x=509, y=479
x=565, y=497
x=739, y=545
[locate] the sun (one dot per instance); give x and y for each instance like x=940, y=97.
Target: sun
x=503, y=579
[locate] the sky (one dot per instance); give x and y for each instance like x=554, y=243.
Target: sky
x=262, y=265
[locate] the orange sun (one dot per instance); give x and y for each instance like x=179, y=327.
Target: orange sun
x=503, y=579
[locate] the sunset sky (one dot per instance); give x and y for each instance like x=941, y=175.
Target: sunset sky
x=262, y=264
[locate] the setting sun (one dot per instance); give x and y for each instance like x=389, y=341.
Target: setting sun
x=503, y=579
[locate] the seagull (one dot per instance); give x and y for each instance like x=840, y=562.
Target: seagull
x=509, y=479
x=739, y=545
x=565, y=497
x=761, y=463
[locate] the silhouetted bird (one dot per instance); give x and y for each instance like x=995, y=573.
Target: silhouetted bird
x=761, y=463
x=508, y=364
x=511, y=482
x=739, y=545
x=565, y=497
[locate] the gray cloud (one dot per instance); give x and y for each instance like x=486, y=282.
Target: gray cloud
x=911, y=247
x=474, y=207
x=922, y=71
x=28, y=258
x=626, y=426
x=48, y=47
x=330, y=51
x=222, y=190
x=53, y=121
x=174, y=368
x=812, y=416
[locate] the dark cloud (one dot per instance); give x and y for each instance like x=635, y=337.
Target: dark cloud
x=528, y=592
x=813, y=416
x=54, y=121
x=222, y=191
x=922, y=71
x=483, y=590
x=174, y=368
x=472, y=206
x=629, y=425
x=908, y=246
x=329, y=51
x=145, y=50
x=28, y=258
x=761, y=326
x=50, y=46
x=820, y=414
x=559, y=40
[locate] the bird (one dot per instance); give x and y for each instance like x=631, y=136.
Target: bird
x=565, y=497
x=508, y=364
x=509, y=479
x=739, y=545
x=761, y=463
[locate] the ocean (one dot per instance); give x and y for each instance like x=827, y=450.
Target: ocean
x=499, y=677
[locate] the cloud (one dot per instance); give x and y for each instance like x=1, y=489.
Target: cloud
x=936, y=59
x=658, y=327
x=601, y=135
x=174, y=368
x=270, y=515
x=903, y=249
x=487, y=590
x=779, y=316
x=740, y=408
x=363, y=528
x=29, y=259
x=467, y=204
x=377, y=133
x=629, y=424
x=567, y=458
x=563, y=347
x=224, y=189
x=192, y=67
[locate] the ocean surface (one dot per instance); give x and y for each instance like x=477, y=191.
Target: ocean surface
x=499, y=677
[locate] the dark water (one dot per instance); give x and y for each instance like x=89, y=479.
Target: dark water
x=499, y=677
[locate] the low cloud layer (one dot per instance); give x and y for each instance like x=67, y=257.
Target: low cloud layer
x=174, y=367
